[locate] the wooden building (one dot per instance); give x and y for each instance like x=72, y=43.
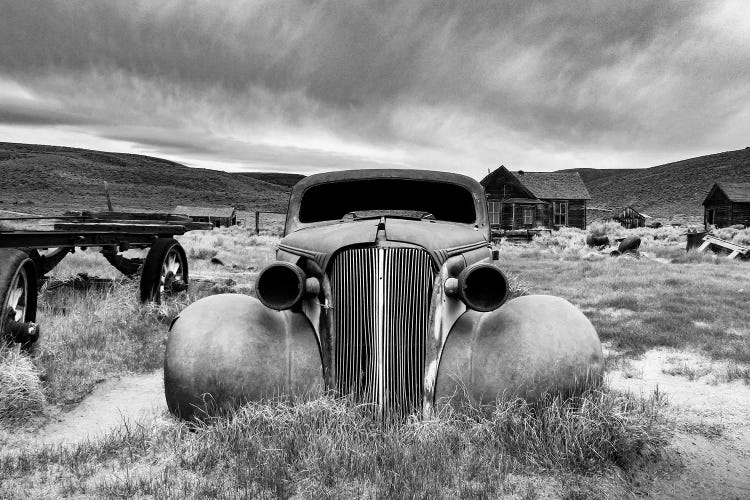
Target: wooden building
x=630, y=218
x=518, y=200
x=219, y=216
x=727, y=203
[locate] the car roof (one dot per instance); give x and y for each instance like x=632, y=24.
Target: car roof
x=388, y=173
x=472, y=185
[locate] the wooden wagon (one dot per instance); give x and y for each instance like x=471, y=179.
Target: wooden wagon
x=163, y=272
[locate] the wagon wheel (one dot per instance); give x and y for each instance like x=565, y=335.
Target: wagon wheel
x=165, y=271
x=18, y=280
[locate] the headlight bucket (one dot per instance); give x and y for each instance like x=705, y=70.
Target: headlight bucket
x=481, y=286
x=281, y=285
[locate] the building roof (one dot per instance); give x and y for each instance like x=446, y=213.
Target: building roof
x=204, y=211
x=554, y=185
x=737, y=192
x=547, y=185
x=527, y=201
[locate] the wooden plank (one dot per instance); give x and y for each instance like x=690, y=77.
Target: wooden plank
x=704, y=245
x=68, y=239
x=153, y=216
x=117, y=227
x=188, y=225
x=726, y=244
x=141, y=218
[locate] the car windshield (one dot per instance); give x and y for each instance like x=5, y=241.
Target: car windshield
x=407, y=198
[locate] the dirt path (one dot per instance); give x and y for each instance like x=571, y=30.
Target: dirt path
x=709, y=456
x=108, y=406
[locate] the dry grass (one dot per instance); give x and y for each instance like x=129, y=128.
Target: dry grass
x=326, y=448
x=663, y=243
x=91, y=335
x=269, y=224
x=202, y=253
x=638, y=304
x=21, y=394
x=739, y=236
x=237, y=248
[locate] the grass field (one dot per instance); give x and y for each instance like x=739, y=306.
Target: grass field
x=596, y=447
x=667, y=297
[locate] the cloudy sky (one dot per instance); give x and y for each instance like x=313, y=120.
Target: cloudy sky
x=309, y=86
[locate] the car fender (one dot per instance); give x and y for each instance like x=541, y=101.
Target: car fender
x=530, y=346
x=225, y=349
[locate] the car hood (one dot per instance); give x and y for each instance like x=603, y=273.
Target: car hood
x=440, y=239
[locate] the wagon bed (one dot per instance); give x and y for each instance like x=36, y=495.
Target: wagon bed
x=163, y=272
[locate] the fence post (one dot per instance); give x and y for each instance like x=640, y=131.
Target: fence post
x=106, y=191
x=257, y=222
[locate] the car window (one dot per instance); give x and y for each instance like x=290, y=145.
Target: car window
x=406, y=198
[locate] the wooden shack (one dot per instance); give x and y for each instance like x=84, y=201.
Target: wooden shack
x=727, y=204
x=525, y=200
x=218, y=216
x=630, y=218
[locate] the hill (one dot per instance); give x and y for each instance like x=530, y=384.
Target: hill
x=673, y=190
x=288, y=180
x=51, y=179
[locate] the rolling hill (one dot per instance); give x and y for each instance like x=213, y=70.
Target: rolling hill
x=671, y=191
x=51, y=179
x=288, y=180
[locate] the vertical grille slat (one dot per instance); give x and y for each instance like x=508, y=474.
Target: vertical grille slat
x=381, y=308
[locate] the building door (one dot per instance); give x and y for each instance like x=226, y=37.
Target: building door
x=710, y=214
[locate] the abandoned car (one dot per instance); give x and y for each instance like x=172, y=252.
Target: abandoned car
x=386, y=290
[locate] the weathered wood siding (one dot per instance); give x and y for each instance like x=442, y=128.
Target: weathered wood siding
x=544, y=212
x=630, y=219
x=504, y=186
x=543, y=215
x=577, y=213
x=722, y=208
x=540, y=216
x=741, y=213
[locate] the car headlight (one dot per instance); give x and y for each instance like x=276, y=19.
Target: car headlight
x=281, y=285
x=481, y=286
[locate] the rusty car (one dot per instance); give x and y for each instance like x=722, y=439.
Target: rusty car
x=385, y=289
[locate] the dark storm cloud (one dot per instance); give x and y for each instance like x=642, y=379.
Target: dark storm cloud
x=579, y=73
x=21, y=113
x=277, y=157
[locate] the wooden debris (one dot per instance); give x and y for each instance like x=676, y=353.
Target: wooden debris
x=734, y=248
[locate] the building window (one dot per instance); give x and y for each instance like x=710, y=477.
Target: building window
x=494, y=210
x=528, y=216
x=560, y=213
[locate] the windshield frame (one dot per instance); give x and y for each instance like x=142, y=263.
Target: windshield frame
x=473, y=187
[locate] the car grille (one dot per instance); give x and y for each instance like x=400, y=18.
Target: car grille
x=381, y=303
